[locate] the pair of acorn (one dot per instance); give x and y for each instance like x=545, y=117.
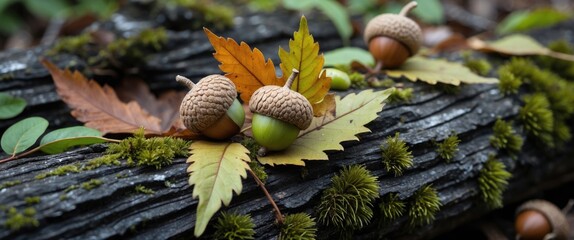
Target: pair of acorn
x=212, y=109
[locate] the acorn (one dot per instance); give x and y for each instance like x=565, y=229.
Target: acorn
x=540, y=219
x=279, y=114
x=211, y=107
x=393, y=38
x=339, y=80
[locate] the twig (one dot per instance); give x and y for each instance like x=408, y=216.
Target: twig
x=278, y=214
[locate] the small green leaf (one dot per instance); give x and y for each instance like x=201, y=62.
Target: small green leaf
x=526, y=20
x=59, y=140
x=10, y=106
x=23, y=134
x=429, y=11
x=48, y=9
x=339, y=16
x=348, y=54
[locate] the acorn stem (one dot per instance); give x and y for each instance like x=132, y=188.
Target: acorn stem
x=294, y=74
x=184, y=81
x=407, y=8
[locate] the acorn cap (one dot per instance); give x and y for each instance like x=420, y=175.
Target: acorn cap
x=396, y=26
x=283, y=103
x=554, y=215
x=206, y=102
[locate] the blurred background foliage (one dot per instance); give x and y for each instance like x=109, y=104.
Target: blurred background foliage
x=27, y=23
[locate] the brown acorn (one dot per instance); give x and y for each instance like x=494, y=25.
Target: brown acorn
x=279, y=113
x=393, y=38
x=540, y=219
x=211, y=107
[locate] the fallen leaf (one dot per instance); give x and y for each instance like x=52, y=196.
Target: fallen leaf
x=346, y=55
x=216, y=171
x=23, y=135
x=435, y=70
x=246, y=68
x=304, y=56
x=60, y=140
x=517, y=45
x=165, y=106
x=10, y=106
x=99, y=107
x=327, y=132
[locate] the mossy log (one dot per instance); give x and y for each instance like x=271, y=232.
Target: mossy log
x=116, y=209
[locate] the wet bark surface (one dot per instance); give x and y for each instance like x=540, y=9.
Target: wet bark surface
x=116, y=210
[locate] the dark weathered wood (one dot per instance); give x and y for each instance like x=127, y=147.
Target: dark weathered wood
x=116, y=210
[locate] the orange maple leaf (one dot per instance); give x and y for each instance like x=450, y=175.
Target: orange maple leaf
x=100, y=108
x=246, y=68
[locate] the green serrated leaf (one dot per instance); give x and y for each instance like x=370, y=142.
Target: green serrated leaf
x=327, y=132
x=59, y=140
x=347, y=55
x=216, y=171
x=435, y=70
x=10, y=106
x=23, y=134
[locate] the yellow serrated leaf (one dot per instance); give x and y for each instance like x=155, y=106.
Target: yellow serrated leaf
x=247, y=69
x=435, y=70
x=304, y=56
x=216, y=171
x=327, y=132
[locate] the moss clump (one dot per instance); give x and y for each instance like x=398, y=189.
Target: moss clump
x=73, y=44
x=156, y=152
x=508, y=82
x=478, y=66
x=8, y=184
x=564, y=68
x=505, y=138
x=32, y=200
x=255, y=166
x=358, y=80
x=131, y=51
x=298, y=226
x=145, y=190
x=234, y=226
x=492, y=181
x=106, y=160
x=448, y=148
x=347, y=203
x=537, y=118
x=396, y=155
x=392, y=207
x=401, y=95
x=423, y=206
x=18, y=220
x=62, y=170
x=93, y=183
x=217, y=15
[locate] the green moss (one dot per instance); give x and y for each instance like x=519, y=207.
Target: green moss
x=562, y=67
x=396, y=155
x=19, y=220
x=145, y=190
x=492, y=181
x=93, y=183
x=255, y=166
x=448, y=148
x=401, y=95
x=234, y=226
x=358, y=81
x=478, y=66
x=347, y=203
x=121, y=175
x=71, y=188
x=505, y=138
x=8, y=184
x=423, y=206
x=508, y=82
x=131, y=51
x=62, y=170
x=32, y=200
x=106, y=160
x=156, y=152
x=392, y=207
x=217, y=15
x=298, y=226
x=537, y=118
x=74, y=45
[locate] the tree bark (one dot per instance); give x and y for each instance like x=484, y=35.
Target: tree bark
x=116, y=210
